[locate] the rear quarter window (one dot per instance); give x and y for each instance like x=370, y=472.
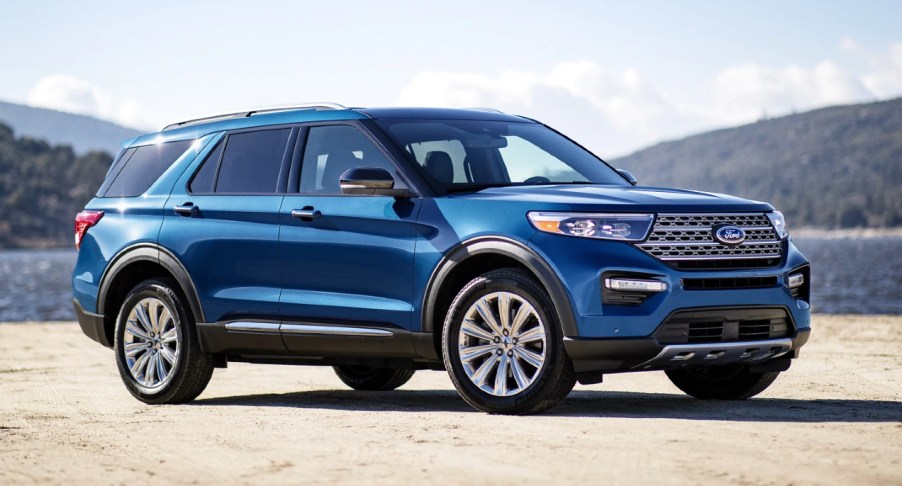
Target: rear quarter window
x=140, y=167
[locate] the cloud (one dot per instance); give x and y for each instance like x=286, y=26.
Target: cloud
x=68, y=93
x=602, y=108
x=741, y=93
x=615, y=112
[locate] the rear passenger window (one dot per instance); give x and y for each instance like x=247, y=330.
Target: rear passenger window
x=142, y=168
x=252, y=161
x=203, y=179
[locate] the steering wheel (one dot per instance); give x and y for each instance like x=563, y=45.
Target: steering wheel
x=537, y=180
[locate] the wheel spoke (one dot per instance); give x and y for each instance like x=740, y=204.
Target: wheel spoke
x=169, y=336
x=132, y=328
x=132, y=349
x=522, y=316
x=504, y=310
x=150, y=370
x=501, y=376
x=161, y=370
x=165, y=319
x=485, y=310
x=519, y=375
x=535, y=334
x=153, y=309
x=472, y=352
x=534, y=359
x=143, y=319
x=482, y=374
x=471, y=329
x=138, y=366
x=168, y=355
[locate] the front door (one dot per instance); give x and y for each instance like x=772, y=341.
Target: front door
x=346, y=259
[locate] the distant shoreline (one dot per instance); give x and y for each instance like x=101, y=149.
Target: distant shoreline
x=846, y=233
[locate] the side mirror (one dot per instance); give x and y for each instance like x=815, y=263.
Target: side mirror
x=628, y=176
x=369, y=181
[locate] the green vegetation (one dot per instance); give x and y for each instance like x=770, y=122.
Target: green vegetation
x=42, y=187
x=838, y=167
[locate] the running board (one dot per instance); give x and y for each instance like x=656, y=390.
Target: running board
x=708, y=354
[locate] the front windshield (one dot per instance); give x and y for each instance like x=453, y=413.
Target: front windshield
x=471, y=154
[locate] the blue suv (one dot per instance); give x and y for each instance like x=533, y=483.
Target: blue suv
x=384, y=241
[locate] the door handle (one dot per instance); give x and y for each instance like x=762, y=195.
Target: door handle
x=307, y=213
x=188, y=209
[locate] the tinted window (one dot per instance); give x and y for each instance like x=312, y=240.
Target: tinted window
x=332, y=150
x=463, y=154
x=145, y=165
x=203, y=179
x=252, y=161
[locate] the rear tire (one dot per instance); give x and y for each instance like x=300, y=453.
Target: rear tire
x=156, y=346
x=721, y=382
x=363, y=377
x=503, y=347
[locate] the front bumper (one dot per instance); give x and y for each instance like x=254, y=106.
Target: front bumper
x=646, y=354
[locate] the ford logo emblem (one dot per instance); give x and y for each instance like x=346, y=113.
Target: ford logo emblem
x=729, y=235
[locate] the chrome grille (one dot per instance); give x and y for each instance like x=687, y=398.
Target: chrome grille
x=690, y=237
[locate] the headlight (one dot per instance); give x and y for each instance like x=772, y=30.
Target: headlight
x=623, y=227
x=779, y=222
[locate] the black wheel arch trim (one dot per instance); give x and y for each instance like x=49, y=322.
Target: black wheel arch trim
x=509, y=248
x=154, y=253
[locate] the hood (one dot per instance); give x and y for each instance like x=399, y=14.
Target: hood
x=594, y=197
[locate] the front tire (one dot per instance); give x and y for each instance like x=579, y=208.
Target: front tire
x=363, y=377
x=503, y=347
x=156, y=346
x=721, y=382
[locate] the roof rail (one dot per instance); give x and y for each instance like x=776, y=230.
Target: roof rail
x=252, y=111
x=486, y=109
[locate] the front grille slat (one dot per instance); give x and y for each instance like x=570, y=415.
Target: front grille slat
x=687, y=241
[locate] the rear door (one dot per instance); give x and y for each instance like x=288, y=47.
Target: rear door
x=222, y=222
x=347, y=259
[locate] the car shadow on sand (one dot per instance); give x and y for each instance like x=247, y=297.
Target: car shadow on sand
x=589, y=403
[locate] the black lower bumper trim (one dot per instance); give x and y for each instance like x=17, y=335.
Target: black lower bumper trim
x=91, y=324
x=619, y=355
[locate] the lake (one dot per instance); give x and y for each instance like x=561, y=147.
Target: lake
x=850, y=275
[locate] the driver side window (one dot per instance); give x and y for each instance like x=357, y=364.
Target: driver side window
x=332, y=150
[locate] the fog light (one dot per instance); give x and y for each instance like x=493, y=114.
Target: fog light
x=635, y=285
x=795, y=281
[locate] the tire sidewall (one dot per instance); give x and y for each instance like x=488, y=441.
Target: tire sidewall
x=159, y=291
x=450, y=342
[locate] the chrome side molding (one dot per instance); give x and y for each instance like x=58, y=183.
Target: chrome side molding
x=272, y=327
x=309, y=329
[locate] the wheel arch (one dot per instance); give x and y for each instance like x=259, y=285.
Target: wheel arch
x=468, y=258
x=135, y=264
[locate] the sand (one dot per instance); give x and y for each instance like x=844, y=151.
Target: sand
x=834, y=418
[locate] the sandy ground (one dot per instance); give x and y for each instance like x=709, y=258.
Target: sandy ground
x=834, y=418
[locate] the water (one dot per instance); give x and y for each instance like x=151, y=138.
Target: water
x=849, y=276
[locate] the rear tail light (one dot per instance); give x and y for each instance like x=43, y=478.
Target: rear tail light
x=83, y=221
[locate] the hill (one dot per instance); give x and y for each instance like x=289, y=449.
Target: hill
x=837, y=167
x=83, y=133
x=41, y=189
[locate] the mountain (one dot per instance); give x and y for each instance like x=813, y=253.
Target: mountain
x=837, y=167
x=83, y=133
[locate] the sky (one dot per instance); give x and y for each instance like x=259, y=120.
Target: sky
x=616, y=76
